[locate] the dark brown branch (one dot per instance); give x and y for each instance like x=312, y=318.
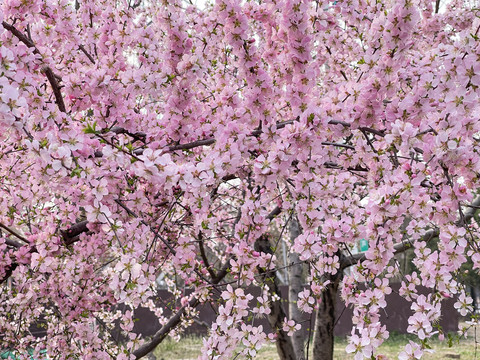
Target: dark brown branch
x=471, y=206
x=132, y=154
x=431, y=130
x=161, y=334
x=14, y=233
x=373, y=131
x=137, y=135
x=203, y=254
x=332, y=165
x=210, y=141
x=191, y=145
x=69, y=237
x=280, y=125
x=52, y=78
x=223, y=272
x=368, y=140
x=339, y=122
x=72, y=235
x=274, y=213
x=346, y=146
x=82, y=48
x=20, y=36
x=364, y=129
x=13, y=243
x=468, y=214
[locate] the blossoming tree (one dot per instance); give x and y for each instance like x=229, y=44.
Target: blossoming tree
x=145, y=137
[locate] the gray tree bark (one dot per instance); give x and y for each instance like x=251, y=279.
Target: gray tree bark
x=277, y=314
x=296, y=281
x=323, y=339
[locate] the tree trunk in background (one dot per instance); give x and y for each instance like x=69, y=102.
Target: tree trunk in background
x=323, y=339
x=296, y=281
x=277, y=315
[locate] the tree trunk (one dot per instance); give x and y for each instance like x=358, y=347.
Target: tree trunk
x=277, y=315
x=323, y=340
x=295, y=279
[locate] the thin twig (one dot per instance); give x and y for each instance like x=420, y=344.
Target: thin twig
x=14, y=233
x=346, y=146
x=90, y=57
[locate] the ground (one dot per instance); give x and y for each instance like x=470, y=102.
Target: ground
x=466, y=349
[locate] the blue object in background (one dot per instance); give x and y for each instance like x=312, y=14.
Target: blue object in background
x=363, y=245
x=9, y=354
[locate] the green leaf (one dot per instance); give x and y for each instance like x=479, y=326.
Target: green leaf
x=91, y=128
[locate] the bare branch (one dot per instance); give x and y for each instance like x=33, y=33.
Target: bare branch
x=82, y=48
x=72, y=235
x=339, y=122
x=346, y=146
x=204, y=256
x=20, y=36
x=191, y=145
x=52, y=78
x=161, y=334
x=14, y=233
x=380, y=133
x=13, y=243
x=137, y=135
x=210, y=141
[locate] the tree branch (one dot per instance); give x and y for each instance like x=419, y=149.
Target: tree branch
x=20, y=36
x=397, y=248
x=346, y=146
x=14, y=233
x=405, y=245
x=82, y=48
x=13, y=243
x=69, y=237
x=52, y=78
x=137, y=136
x=380, y=133
x=191, y=145
x=161, y=334
x=55, y=87
x=204, y=256
x=210, y=141
x=72, y=235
